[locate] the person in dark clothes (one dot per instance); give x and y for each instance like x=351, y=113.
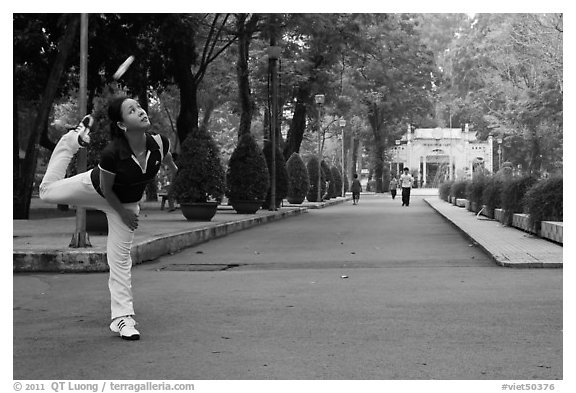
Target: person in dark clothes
x=406, y=182
x=356, y=189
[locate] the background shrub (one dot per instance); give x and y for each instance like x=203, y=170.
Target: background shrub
x=312, y=167
x=281, y=174
x=298, y=180
x=200, y=174
x=492, y=195
x=247, y=175
x=474, y=191
x=330, y=182
x=371, y=185
x=543, y=202
x=337, y=180
x=513, y=191
x=444, y=190
x=458, y=189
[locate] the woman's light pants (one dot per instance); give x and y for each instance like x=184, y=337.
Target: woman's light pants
x=79, y=191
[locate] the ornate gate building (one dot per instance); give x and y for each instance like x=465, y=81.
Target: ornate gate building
x=439, y=154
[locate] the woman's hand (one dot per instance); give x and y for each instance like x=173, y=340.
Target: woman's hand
x=130, y=219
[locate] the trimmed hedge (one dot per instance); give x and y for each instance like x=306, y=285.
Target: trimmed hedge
x=458, y=189
x=492, y=195
x=328, y=176
x=200, y=174
x=298, y=179
x=474, y=191
x=513, y=191
x=312, y=167
x=444, y=190
x=337, y=180
x=247, y=175
x=544, y=202
x=281, y=175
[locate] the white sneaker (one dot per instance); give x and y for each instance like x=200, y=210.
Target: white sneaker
x=83, y=130
x=125, y=326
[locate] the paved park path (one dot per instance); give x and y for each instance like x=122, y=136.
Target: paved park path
x=375, y=291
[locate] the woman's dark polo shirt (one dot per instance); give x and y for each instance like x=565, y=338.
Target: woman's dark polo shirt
x=130, y=181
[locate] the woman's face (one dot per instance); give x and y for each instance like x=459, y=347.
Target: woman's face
x=133, y=116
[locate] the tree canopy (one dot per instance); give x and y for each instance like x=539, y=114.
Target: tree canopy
x=500, y=73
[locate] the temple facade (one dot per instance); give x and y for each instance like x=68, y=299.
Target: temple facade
x=435, y=155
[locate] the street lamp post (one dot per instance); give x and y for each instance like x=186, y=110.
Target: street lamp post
x=319, y=98
x=499, y=153
x=342, y=123
x=80, y=238
x=397, y=156
x=273, y=56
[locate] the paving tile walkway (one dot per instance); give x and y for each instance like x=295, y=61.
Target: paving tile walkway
x=508, y=246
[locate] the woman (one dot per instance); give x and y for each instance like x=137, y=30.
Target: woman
x=129, y=162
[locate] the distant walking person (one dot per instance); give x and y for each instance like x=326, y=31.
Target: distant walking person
x=356, y=189
x=406, y=182
x=393, y=186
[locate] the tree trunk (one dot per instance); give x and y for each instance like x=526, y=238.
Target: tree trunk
x=187, y=120
x=22, y=193
x=378, y=158
x=15, y=141
x=45, y=142
x=355, y=148
x=208, y=110
x=375, y=119
x=534, y=161
x=298, y=125
x=242, y=72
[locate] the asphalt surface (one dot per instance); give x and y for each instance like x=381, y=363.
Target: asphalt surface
x=369, y=292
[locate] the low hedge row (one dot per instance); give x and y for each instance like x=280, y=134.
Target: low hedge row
x=540, y=198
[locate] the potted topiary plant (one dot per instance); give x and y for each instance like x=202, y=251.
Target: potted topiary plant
x=312, y=167
x=298, y=180
x=281, y=175
x=199, y=184
x=247, y=176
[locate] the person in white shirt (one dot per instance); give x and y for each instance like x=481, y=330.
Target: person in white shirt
x=406, y=182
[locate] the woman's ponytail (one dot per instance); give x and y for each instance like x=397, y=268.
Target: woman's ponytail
x=115, y=115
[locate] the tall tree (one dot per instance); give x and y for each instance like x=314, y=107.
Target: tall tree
x=24, y=177
x=316, y=42
x=397, y=82
x=246, y=25
x=194, y=42
x=507, y=74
